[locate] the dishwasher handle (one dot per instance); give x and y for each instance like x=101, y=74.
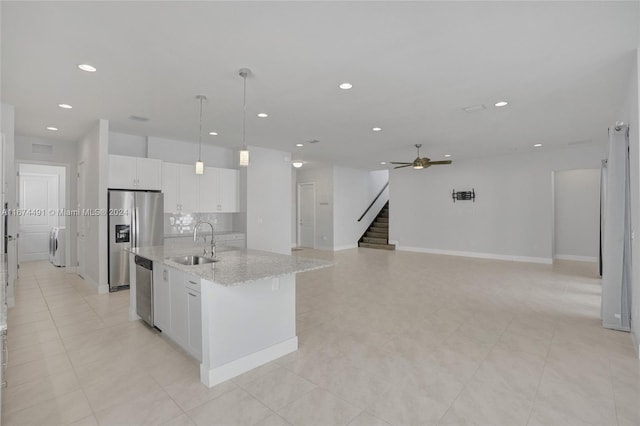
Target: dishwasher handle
x=144, y=262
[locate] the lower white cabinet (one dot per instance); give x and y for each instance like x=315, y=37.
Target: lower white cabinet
x=177, y=307
x=162, y=298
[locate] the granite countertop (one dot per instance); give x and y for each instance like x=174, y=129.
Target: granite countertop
x=190, y=234
x=236, y=266
x=3, y=293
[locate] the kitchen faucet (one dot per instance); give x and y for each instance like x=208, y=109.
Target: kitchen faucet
x=213, y=237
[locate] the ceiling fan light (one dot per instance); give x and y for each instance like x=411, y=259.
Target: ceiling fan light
x=418, y=166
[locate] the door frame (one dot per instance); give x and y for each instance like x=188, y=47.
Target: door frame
x=299, y=187
x=67, y=203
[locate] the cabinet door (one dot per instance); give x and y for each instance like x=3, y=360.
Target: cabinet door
x=194, y=316
x=122, y=172
x=170, y=187
x=229, y=190
x=209, y=193
x=162, y=297
x=179, y=309
x=187, y=188
x=149, y=173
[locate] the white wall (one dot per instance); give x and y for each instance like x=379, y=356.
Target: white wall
x=63, y=153
x=7, y=117
x=269, y=200
x=353, y=191
x=294, y=207
x=322, y=176
x=93, y=152
x=185, y=152
x=129, y=145
x=629, y=112
x=512, y=217
x=577, y=214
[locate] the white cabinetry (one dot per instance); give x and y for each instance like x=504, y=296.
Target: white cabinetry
x=180, y=188
x=162, y=297
x=134, y=173
x=177, y=307
x=219, y=190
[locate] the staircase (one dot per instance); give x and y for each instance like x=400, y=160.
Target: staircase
x=377, y=236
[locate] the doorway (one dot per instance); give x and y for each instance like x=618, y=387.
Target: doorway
x=41, y=195
x=576, y=214
x=306, y=215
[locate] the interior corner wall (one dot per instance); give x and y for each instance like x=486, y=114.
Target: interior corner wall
x=294, y=207
x=511, y=218
x=62, y=153
x=92, y=152
x=269, y=200
x=577, y=214
x=322, y=177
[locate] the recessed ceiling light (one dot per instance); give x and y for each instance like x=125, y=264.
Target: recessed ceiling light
x=376, y=129
x=447, y=155
x=263, y=115
x=213, y=133
x=87, y=68
x=538, y=145
x=501, y=103
x=52, y=128
x=345, y=86
x=65, y=106
x=299, y=144
x=383, y=162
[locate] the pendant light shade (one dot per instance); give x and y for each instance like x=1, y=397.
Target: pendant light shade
x=243, y=158
x=200, y=164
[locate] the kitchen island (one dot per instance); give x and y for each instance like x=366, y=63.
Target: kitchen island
x=233, y=315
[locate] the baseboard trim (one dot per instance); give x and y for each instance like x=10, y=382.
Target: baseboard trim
x=232, y=369
x=346, y=247
x=616, y=327
x=576, y=258
x=477, y=255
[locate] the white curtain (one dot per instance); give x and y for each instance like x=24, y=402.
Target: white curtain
x=616, y=234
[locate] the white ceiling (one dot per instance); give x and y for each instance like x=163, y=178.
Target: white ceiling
x=563, y=67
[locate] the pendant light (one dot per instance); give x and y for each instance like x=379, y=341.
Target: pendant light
x=244, y=152
x=199, y=163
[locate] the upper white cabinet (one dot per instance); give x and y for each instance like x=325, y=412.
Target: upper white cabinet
x=134, y=173
x=180, y=188
x=219, y=190
x=216, y=191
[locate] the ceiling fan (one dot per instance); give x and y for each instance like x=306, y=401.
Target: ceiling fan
x=420, y=163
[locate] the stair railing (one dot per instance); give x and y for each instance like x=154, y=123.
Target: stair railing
x=374, y=201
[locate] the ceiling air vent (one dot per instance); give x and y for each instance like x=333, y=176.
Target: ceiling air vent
x=313, y=141
x=474, y=108
x=138, y=118
x=38, y=148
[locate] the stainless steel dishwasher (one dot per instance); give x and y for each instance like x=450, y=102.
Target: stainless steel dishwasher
x=144, y=289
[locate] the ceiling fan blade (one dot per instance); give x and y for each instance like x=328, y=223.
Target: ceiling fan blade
x=440, y=162
x=406, y=165
x=396, y=162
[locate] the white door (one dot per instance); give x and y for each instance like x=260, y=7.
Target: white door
x=81, y=220
x=306, y=215
x=38, y=197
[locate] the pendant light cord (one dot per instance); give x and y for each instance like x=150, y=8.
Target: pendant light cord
x=200, y=132
x=244, y=111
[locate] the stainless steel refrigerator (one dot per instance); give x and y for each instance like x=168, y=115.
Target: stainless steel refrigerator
x=135, y=220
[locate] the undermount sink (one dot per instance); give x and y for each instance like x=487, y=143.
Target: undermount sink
x=192, y=260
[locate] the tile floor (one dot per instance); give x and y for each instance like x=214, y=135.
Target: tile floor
x=385, y=338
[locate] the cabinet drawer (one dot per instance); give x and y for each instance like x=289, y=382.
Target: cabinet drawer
x=192, y=283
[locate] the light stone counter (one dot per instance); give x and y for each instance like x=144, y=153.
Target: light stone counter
x=236, y=266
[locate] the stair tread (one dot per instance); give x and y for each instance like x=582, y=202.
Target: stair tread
x=378, y=246
x=375, y=240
